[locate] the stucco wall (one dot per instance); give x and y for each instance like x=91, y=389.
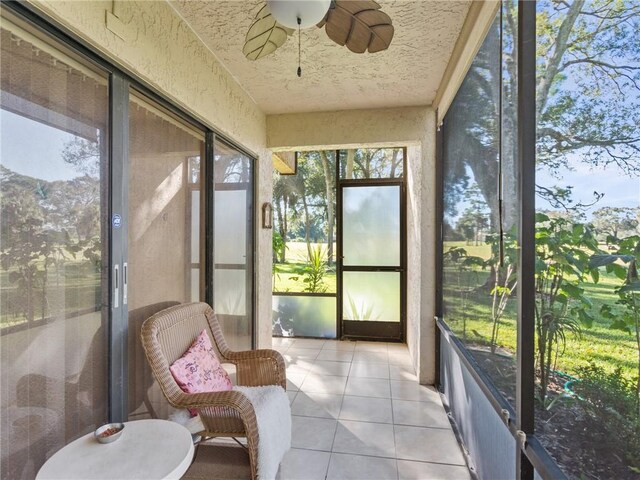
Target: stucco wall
x=413, y=127
x=163, y=50
x=160, y=48
x=427, y=326
x=349, y=128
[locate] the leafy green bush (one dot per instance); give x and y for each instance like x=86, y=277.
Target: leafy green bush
x=562, y=263
x=609, y=399
x=628, y=252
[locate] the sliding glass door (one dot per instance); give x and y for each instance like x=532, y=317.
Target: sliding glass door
x=53, y=248
x=163, y=232
x=106, y=205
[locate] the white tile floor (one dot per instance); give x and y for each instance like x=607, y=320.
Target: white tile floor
x=359, y=413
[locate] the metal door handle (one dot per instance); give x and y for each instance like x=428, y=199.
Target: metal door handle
x=116, y=288
x=125, y=282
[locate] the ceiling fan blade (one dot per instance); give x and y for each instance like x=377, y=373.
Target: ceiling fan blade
x=360, y=25
x=264, y=36
x=381, y=39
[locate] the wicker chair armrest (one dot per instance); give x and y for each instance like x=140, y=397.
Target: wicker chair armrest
x=251, y=354
x=259, y=367
x=220, y=413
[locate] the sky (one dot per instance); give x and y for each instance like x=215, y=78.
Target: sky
x=619, y=190
x=33, y=149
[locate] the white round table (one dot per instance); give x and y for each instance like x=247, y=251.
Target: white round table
x=147, y=449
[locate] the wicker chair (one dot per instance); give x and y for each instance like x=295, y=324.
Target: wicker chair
x=169, y=333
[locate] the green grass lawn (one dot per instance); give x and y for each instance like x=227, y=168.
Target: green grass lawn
x=289, y=276
x=468, y=312
x=483, y=251
x=297, y=251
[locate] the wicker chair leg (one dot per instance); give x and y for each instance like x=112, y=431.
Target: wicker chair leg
x=252, y=448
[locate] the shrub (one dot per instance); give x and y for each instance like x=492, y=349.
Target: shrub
x=315, y=270
x=609, y=400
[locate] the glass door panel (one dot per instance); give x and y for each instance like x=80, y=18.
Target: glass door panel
x=230, y=292
x=53, y=249
x=164, y=212
x=372, y=260
x=371, y=296
x=371, y=226
x=194, y=211
x=233, y=244
x=230, y=227
x=230, y=278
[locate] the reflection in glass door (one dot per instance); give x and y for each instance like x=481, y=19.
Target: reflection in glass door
x=54, y=262
x=372, y=260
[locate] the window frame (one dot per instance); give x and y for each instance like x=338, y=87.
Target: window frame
x=531, y=458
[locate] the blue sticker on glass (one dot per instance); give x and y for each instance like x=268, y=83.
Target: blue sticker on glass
x=116, y=221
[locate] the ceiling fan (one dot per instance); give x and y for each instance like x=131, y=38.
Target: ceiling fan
x=359, y=25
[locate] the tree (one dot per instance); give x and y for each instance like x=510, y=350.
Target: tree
x=21, y=241
x=588, y=67
x=503, y=261
x=228, y=168
x=611, y=221
x=44, y=223
x=319, y=172
x=373, y=163
x=305, y=203
x=591, y=70
x=473, y=143
x=329, y=177
x=21, y=223
x=306, y=184
x=74, y=206
x=84, y=155
x=475, y=219
x=466, y=226
x=286, y=190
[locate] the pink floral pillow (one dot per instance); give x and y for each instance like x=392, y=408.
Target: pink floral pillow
x=199, y=369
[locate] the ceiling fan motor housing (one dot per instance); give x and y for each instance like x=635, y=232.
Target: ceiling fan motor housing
x=287, y=12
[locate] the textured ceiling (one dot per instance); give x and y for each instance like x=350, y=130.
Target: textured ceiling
x=333, y=78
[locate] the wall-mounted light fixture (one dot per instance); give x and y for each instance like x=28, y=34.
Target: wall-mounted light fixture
x=267, y=215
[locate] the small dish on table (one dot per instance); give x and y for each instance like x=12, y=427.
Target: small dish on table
x=109, y=432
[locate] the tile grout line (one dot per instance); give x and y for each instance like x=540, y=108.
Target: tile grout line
x=335, y=433
x=393, y=422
